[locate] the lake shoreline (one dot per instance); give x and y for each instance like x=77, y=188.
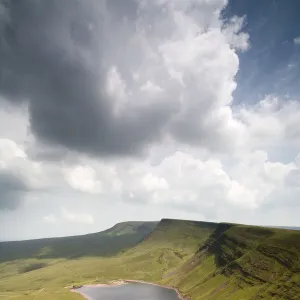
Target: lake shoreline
x=127, y=281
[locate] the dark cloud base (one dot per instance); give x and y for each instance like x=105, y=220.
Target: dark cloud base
x=44, y=49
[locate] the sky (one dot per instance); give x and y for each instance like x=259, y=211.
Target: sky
x=124, y=110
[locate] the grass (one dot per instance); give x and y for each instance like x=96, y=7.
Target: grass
x=206, y=261
x=108, y=242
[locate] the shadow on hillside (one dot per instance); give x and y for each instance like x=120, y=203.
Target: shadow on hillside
x=106, y=243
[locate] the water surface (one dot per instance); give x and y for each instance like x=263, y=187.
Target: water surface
x=131, y=291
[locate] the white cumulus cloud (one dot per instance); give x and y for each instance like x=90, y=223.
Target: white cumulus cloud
x=82, y=218
x=50, y=218
x=297, y=40
x=176, y=140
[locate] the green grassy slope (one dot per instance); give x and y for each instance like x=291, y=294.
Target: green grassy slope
x=244, y=262
x=204, y=260
x=108, y=242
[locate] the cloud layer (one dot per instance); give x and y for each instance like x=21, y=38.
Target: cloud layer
x=117, y=111
x=12, y=190
x=108, y=81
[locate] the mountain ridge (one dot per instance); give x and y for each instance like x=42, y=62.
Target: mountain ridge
x=127, y=235
x=204, y=260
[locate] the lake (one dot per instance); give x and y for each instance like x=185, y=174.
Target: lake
x=130, y=291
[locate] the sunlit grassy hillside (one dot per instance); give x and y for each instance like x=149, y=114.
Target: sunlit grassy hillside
x=204, y=260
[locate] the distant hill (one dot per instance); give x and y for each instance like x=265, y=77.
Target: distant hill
x=286, y=227
x=108, y=242
x=205, y=261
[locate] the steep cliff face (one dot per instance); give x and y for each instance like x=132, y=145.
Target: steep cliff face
x=244, y=262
